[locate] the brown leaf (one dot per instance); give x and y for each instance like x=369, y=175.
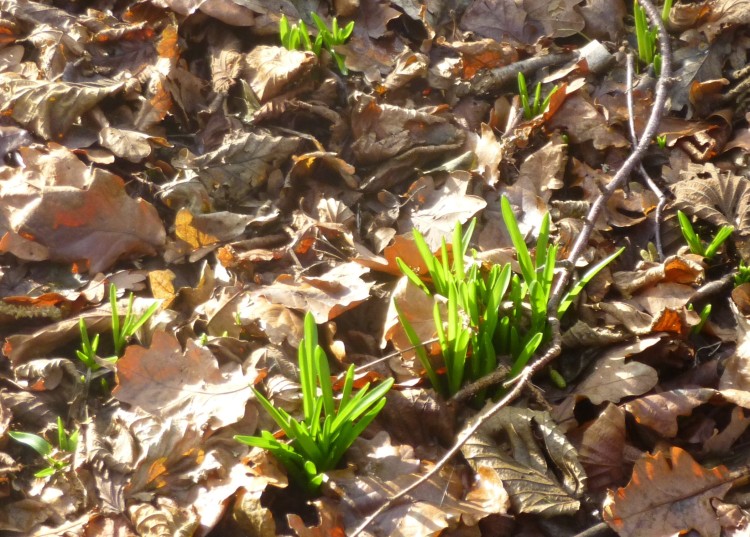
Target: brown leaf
x=604, y=19
x=535, y=439
x=49, y=108
x=669, y=493
x=434, y=212
x=164, y=518
x=736, y=373
x=583, y=122
x=600, y=446
x=326, y=296
x=241, y=165
x=498, y=20
x=489, y=154
x=165, y=381
x=660, y=411
x=612, y=378
x=270, y=70
x=98, y=225
x=718, y=197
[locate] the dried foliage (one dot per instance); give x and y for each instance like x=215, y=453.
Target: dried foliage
x=175, y=150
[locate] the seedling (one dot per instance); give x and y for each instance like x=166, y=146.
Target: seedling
x=297, y=37
x=121, y=333
x=705, y=312
x=499, y=313
x=646, y=35
x=743, y=274
x=533, y=108
x=66, y=442
x=695, y=243
x=317, y=443
x=662, y=141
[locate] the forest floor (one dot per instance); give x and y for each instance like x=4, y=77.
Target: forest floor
x=175, y=151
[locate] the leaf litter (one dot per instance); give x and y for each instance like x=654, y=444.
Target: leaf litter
x=174, y=149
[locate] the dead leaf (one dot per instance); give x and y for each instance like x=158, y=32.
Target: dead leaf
x=434, y=212
x=530, y=480
x=326, y=296
x=50, y=108
x=720, y=198
x=98, y=225
x=583, y=122
x=166, y=381
x=600, y=446
x=669, y=493
x=270, y=70
x=612, y=379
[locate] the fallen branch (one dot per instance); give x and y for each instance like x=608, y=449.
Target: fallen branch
x=553, y=350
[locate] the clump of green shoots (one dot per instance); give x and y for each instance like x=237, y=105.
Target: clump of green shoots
x=696, y=245
x=489, y=313
x=67, y=443
x=533, y=108
x=297, y=37
x=647, y=34
x=329, y=427
x=121, y=332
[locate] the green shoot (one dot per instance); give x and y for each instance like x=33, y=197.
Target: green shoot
x=121, y=331
x=662, y=141
x=66, y=442
x=646, y=35
x=705, y=312
x=328, y=429
x=297, y=37
x=743, y=274
x=695, y=243
x=489, y=313
x=533, y=108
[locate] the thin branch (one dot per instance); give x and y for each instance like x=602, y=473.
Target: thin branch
x=632, y=161
x=553, y=350
x=646, y=177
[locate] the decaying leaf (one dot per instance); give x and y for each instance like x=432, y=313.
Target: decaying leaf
x=167, y=382
x=97, y=225
x=523, y=468
x=669, y=493
x=613, y=379
x=718, y=197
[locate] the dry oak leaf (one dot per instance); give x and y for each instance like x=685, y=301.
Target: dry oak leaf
x=168, y=382
x=718, y=197
x=669, y=493
x=99, y=225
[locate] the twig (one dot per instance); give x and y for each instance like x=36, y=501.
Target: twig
x=634, y=138
x=495, y=79
x=554, y=348
x=632, y=161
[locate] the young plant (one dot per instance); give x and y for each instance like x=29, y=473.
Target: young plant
x=498, y=313
x=705, y=312
x=121, y=332
x=695, y=243
x=328, y=428
x=297, y=37
x=533, y=108
x=66, y=443
x=743, y=274
x=646, y=35
x=661, y=141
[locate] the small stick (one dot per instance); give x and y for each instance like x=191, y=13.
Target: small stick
x=632, y=161
x=495, y=79
x=634, y=138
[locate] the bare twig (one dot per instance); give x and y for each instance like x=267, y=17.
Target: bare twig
x=646, y=177
x=495, y=79
x=632, y=161
x=554, y=348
